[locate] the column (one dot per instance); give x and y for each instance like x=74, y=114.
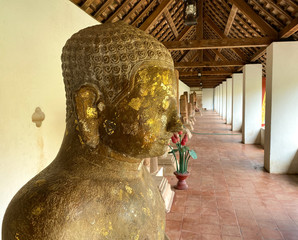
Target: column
x=281, y=127
x=215, y=99
x=224, y=100
x=252, y=104
x=237, y=100
x=229, y=101
x=220, y=100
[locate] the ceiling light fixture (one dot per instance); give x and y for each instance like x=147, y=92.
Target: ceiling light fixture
x=190, y=12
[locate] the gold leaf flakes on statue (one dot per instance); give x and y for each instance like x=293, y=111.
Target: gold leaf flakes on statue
x=135, y=103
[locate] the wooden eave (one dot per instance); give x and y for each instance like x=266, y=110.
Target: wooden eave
x=229, y=33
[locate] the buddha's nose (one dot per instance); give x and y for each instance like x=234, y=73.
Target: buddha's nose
x=174, y=124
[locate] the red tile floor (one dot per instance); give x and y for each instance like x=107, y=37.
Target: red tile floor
x=230, y=196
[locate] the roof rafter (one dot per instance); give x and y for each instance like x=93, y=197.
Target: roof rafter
x=254, y=17
x=290, y=29
x=208, y=64
x=222, y=35
x=170, y=22
x=116, y=13
x=218, y=43
x=144, y=12
x=155, y=15
x=102, y=9
x=204, y=73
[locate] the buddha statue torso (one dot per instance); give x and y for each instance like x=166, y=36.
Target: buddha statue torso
x=87, y=201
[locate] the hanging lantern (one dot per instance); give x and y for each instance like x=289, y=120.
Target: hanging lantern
x=190, y=12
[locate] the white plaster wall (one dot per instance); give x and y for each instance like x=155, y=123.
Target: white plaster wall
x=207, y=98
x=229, y=101
x=32, y=36
x=224, y=100
x=252, y=104
x=281, y=132
x=183, y=88
x=237, y=100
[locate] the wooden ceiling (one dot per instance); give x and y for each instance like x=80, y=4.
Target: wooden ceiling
x=229, y=33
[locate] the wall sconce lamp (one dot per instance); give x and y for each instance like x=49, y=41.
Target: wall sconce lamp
x=190, y=12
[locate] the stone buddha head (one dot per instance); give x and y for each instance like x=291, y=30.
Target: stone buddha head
x=120, y=89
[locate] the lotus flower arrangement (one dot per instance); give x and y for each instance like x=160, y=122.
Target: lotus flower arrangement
x=184, y=152
x=184, y=155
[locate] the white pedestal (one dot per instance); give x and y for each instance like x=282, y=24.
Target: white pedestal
x=165, y=191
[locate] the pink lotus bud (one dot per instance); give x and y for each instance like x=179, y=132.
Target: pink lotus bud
x=176, y=136
x=180, y=133
x=174, y=140
x=185, y=138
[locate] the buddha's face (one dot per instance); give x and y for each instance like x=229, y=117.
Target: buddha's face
x=142, y=123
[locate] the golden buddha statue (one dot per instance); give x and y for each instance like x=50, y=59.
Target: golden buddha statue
x=121, y=107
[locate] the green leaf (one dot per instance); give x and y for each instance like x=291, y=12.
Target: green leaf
x=193, y=154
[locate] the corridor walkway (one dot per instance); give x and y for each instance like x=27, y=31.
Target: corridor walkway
x=230, y=196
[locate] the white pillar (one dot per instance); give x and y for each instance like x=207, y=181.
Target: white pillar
x=215, y=99
x=237, y=100
x=229, y=101
x=224, y=100
x=220, y=100
x=281, y=127
x=252, y=103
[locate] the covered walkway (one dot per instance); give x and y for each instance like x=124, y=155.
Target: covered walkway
x=230, y=196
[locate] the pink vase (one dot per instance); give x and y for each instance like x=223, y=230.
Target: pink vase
x=181, y=184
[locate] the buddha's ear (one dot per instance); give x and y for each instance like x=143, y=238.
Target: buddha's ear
x=86, y=99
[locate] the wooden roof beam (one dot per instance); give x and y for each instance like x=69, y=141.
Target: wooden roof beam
x=219, y=55
x=231, y=18
x=228, y=26
x=170, y=22
x=208, y=64
x=205, y=73
x=255, y=18
x=218, y=43
x=222, y=35
x=102, y=9
x=186, y=30
x=144, y=12
x=290, y=29
x=200, y=27
x=258, y=54
x=155, y=15
x=202, y=78
x=116, y=13
x=132, y=11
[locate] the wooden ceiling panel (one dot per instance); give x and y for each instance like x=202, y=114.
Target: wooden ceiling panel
x=225, y=24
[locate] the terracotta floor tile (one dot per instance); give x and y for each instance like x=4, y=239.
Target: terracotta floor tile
x=210, y=237
x=271, y=234
x=210, y=219
x=228, y=230
x=209, y=228
x=231, y=238
x=190, y=236
x=229, y=190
